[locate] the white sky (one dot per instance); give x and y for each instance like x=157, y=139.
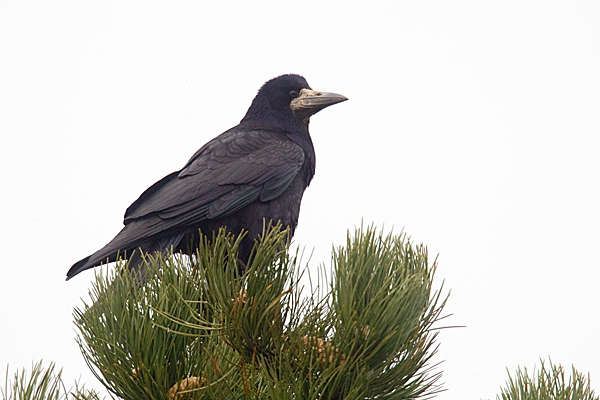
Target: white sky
x=472, y=125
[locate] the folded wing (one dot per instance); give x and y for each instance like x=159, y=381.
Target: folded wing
x=228, y=173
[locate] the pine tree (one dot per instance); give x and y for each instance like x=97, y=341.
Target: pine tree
x=199, y=329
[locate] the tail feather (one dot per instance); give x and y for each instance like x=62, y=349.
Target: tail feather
x=78, y=267
x=111, y=252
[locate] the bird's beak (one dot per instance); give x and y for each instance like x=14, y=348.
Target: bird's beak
x=311, y=102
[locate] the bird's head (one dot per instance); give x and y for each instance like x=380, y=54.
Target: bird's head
x=289, y=97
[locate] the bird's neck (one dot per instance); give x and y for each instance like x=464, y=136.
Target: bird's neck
x=303, y=139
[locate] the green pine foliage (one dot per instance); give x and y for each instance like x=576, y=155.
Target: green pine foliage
x=200, y=329
x=42, y=383
x=548, y=384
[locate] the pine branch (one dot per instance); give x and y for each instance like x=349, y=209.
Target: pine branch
x=548, y=384
x=199, y=329
x=42, y=383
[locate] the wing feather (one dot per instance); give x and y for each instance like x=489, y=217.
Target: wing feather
x=227, y=174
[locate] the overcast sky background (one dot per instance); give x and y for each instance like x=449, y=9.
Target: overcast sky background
x=474, y=126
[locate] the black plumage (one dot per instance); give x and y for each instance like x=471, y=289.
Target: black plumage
x=252, y=173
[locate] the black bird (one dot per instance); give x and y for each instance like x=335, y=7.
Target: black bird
x=253, y=172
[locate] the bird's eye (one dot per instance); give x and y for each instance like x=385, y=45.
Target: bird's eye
x=294, y=93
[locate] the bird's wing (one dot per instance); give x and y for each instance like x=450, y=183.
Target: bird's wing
x=226, y=174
